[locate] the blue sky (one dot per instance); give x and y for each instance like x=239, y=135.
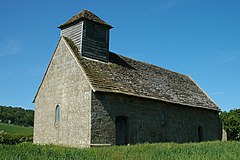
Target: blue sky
x=200, y=38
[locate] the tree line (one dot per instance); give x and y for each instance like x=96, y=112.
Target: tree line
x=23, y=117
x=16, y=115
x=231, y=122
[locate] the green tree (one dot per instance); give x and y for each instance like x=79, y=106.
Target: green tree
x=16, y=115
x=231, y=121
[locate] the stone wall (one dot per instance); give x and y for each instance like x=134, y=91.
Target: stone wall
x=65, y=85
x=89, y=118
x=150, y=120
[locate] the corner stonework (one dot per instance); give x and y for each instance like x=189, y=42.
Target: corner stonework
x=64, y=84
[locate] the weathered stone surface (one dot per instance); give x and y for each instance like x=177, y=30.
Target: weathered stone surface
x=150, y=120
x=103, y=96
x=65, y=85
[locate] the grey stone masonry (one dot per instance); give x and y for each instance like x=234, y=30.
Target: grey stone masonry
x=150, y=120
x=64, y=84
x=90, y=96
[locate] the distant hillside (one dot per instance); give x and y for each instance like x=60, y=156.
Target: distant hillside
x=16, y=115
x=14, y=129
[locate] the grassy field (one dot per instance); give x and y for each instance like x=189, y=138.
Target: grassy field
x=14, y=129
x=164, y=151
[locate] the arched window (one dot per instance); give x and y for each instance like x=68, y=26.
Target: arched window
x=57, y=114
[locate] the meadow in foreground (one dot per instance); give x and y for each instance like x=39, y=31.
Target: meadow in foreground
x=200, y=151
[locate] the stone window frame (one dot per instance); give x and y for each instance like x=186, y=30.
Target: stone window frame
x=57, y=114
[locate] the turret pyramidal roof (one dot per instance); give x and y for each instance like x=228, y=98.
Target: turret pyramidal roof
x=85, y=14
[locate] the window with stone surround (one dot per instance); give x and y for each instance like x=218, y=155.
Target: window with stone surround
x=57, y=114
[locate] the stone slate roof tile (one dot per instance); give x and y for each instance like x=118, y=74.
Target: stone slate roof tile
x=85, y=14
x=127, y=76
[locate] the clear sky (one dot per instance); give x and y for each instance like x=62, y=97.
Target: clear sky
x=200, y=38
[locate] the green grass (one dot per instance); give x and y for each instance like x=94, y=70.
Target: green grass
x=14, y=129
x=165, y=151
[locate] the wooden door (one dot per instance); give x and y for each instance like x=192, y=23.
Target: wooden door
x=200, y=134
x=121, y=130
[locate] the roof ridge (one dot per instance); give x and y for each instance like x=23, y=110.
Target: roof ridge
x=142, y=80
x=151, y=64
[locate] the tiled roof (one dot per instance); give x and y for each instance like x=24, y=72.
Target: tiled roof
x=85, y=14
x=132, y=77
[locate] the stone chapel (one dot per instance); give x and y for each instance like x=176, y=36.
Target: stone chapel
x=90, y=96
